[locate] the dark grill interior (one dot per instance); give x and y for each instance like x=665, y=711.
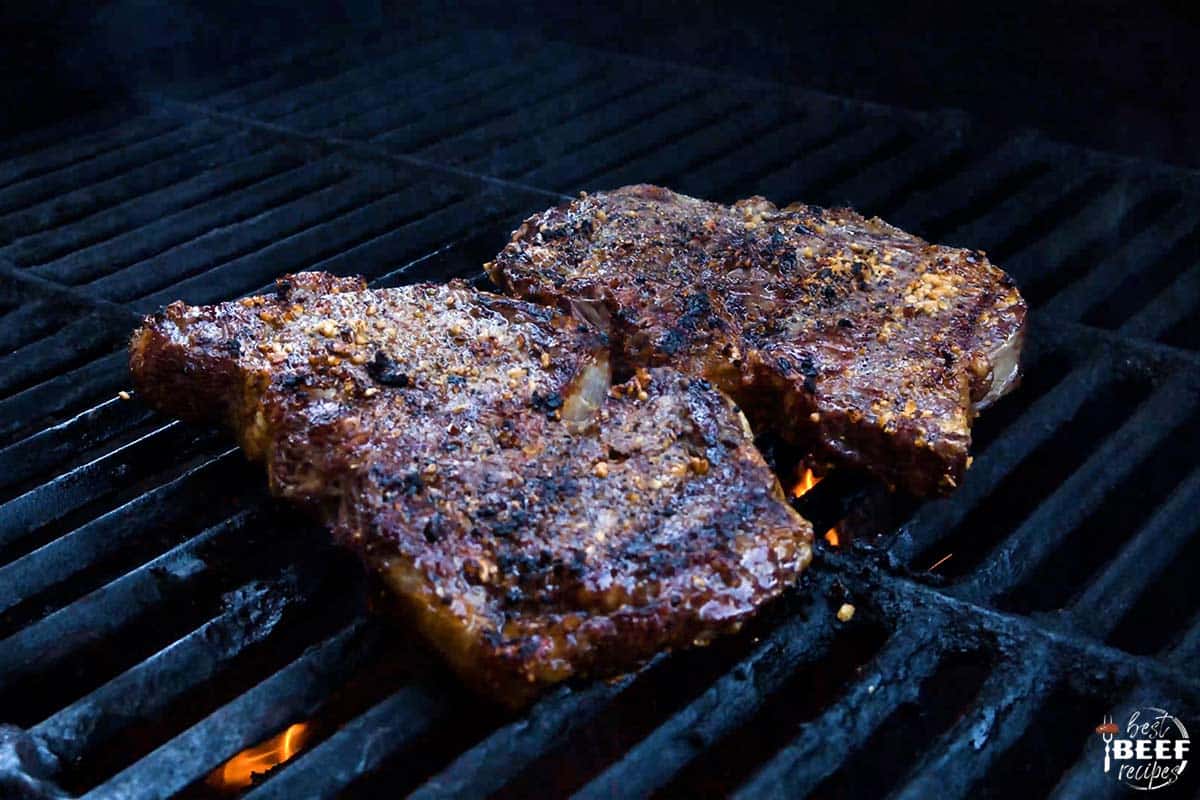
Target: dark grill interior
x=159, y=612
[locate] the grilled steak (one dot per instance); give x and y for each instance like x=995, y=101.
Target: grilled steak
x=535, y=523
x=859, y=342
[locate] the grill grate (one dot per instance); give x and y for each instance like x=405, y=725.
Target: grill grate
x=159, y=613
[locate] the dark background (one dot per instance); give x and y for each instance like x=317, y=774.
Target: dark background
x=1115, y=76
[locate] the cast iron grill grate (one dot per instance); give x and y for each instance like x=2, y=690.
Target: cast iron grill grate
x=158, y=613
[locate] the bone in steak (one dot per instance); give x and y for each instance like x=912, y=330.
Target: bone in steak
x=845, y=335
x=534, y=523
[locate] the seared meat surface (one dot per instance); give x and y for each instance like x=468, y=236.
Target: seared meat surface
x=533, y=522
x=859, y=342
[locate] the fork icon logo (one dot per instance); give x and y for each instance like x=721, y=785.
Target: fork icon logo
x=1149, y=752
x=1106, y=731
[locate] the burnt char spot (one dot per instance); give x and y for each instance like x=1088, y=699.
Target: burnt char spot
x=435, y=528
x=386, y=371
x=548, y=403
x=233, y=347
x=283, y=289
x=408, y=484
x=845, y=323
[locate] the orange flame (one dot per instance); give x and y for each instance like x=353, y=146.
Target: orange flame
x=805, y=483
x=831, y=536
x=239, y=771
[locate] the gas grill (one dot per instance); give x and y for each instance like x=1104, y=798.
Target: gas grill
x=160, y=614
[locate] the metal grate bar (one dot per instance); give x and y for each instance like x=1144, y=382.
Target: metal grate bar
x=1008, y=703
x=69, y=390
x=424, y=90
x=407, y=128
x=729, y=702
x=279, y=228
x=174, y=232
x=259, y=77
x=388, y=107
x=105, y=177
x=528, y=153
x=52, y=354
x=155, y=450
x=35, y=454
x=101, y=200
x=1032, y=428
x=30, y=320
x=495, y=761
x=242, y=224
x=1048, y=240
x=1024, y=549
x=989, y=229
x=774, y=149
x=870, y=190
x=1128, y=259
x=838, y=161
x=131, y=217
x=306, y=247
x=1173, y=305
x=1146, y=555
x=63, y=155
x=143, y=692
x=1187, y=649
x=345, y=88
x=632, y=142
x=610, y=90
x=892, y=679
x=110, y=607
x=293, y=693
x=964, y=195
x=691, y=152
x=1086, y=778
x=76, y=551
x=360, y=746
x=1094, y=204
x=406, y=238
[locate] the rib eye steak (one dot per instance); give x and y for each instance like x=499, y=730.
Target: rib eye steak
x=849, y=337
x=534, y=522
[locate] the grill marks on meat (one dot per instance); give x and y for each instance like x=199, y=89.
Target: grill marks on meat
x=535, y=524
x=847, y=336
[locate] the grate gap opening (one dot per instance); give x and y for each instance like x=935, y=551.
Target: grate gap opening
x=1086, y=549
x=935, y=228
x=1160, y=616
x=1059, y=736
x=327, y=607
x=103, y=487
x=1185, y=333
x=206, y=505
x=657, y=694
x=810, y=690
x=1042, y=372
x=888, y=755
x=1026, y=486
x=1141, y=286
x=1045, y=284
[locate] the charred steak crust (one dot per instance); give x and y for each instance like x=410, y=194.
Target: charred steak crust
x=533, y=523
x=843, y=334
